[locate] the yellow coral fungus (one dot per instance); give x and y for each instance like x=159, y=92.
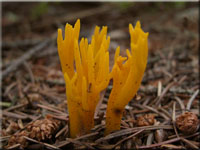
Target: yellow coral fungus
x=87, y=78
x=86, y=71
x=127, y=77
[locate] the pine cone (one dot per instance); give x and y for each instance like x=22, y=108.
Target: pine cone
x=43, y=129
x=187, y=123
x=38, y=130
x=146, y=120
x=18, y=138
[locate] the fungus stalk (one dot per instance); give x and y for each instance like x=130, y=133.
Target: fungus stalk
x=127, y=74
x=87, y=78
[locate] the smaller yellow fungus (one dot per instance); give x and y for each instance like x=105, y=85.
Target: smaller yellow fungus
x=127, y=75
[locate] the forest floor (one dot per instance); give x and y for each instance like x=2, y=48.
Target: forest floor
x=33, y=87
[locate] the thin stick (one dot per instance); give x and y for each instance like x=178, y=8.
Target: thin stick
x=65, y=129
x=45, y=144
x=192, y=99
x=29, y=71
x=180, y=103
x=51, y=109
x=149, y=139
x=19, y=61
x=128, y=137
x=99, y=103
x=153, y=110
x=164, y=92
x=132, y=130
x=14, y=115
x=64, y=143
x=174, y=119
x=159, y=88
x=165, y=142
x=15, y=107
x=189, y=143
x=13, y=147
x=79, y=143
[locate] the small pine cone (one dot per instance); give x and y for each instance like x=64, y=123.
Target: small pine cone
x=187, y=123
x=43, y=129
x=146, y=120
x=18, y=138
